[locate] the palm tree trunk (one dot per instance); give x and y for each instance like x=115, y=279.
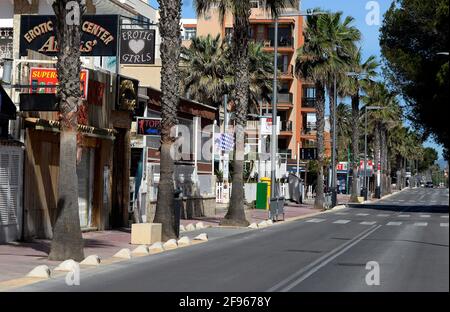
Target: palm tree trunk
x=355, y=147
x=320, y=113
x=67, y=240
x=384, y=160
x=236, y=213
x=332, y=130
x=377, y=152
x=170, y=12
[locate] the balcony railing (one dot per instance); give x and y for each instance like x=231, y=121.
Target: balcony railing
x=309, y=102
x=283, y=42
x=310, y=129
x=289, y=71
x=284, y=98
x=286, y=126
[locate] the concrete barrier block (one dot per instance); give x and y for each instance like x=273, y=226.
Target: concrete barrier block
x=184, y=241
x=91, y=260
x=145, y=233
x=41, y=271
x=67, y=266
x=263, y=224
x=170, y=244
x=253, y=226
x=200, y=226
x=124, y=253
x=202, y=237
x=182, y=228
x=360, y=199
x=156, y=247
x=190, y=227
x=141, y=250
x=269, y=222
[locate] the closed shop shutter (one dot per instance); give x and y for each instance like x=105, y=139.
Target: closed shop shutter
x=84, y=172
x=10, y=185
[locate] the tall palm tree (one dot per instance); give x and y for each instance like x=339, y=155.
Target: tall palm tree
x=381, y=121
x=169, y=27
x=329, y=40
x=351, y=87
x=240, y=40
x=340, y=41
x=344, y=131
x=67, y=240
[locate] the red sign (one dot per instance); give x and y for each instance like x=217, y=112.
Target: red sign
x=42, y=77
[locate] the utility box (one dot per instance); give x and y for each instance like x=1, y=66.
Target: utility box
x=263, y=194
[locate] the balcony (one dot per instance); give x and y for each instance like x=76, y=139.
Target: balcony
x=284, y=43
x=310, y=129
x=286, y=73
x=308, y=102
x=286, y=126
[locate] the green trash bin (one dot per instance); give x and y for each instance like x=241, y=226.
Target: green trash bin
x=261, y=195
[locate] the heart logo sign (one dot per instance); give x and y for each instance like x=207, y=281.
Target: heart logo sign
x=136, y=45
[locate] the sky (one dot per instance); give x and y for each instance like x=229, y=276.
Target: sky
x=361, y=10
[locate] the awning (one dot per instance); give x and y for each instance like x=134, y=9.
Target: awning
x=53, y=125
x=7, y=107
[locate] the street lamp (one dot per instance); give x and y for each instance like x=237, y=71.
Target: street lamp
x=274, y=139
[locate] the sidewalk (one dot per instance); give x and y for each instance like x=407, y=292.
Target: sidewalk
x=19, y=258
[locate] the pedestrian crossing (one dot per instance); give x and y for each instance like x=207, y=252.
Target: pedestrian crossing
x=380, y=219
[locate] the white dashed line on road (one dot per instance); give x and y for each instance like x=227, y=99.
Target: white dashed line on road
x=421, y=224
x=444, y=217
x=315, y=220
x=362, y=214
x=404, y=216
x=341, y=221
x=444, y=224
x=394, y=223
x=342, y=213
x=368, y=222
x=425, y=216
x=383, y=215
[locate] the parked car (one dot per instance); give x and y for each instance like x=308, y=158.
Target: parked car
x=429, y=184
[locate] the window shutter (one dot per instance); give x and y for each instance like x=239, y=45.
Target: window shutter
x=4, y=188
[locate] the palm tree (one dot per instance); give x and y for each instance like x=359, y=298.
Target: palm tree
x=240, y=40
x=67, y=240
x=206, y=75
x=340, y=38
x=381, y=121
x=328, y=42
x=344, y=131
x=351, y=86
x=169, y=27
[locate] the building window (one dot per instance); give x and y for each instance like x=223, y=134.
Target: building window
x=190, y=33
x=254, y=4
x=6, y=42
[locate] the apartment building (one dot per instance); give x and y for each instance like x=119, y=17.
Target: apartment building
x=295, y=102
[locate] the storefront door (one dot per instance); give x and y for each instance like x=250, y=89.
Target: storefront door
x=85, y=186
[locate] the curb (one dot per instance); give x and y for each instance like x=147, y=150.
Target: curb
x=123, y=254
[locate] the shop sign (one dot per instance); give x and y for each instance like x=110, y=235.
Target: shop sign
x=137, y=46
x=127, y=93
x=43, y=80
x=149, y=126
x=98, y=38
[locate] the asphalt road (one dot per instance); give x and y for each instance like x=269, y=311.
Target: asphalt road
x=406, y=234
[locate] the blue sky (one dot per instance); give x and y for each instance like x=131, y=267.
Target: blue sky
x=356, y=8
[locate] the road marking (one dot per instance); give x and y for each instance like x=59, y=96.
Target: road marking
x=362, y=214
x=342, y=213
x=404, y=216
x=313, y=267
x=383, y=215
x=421, y=224
x=368, y=222
x=444, y=217
x=341, y=221
x=315, y=220
x=394, y=223
x=444, y=224
x=424, y=216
